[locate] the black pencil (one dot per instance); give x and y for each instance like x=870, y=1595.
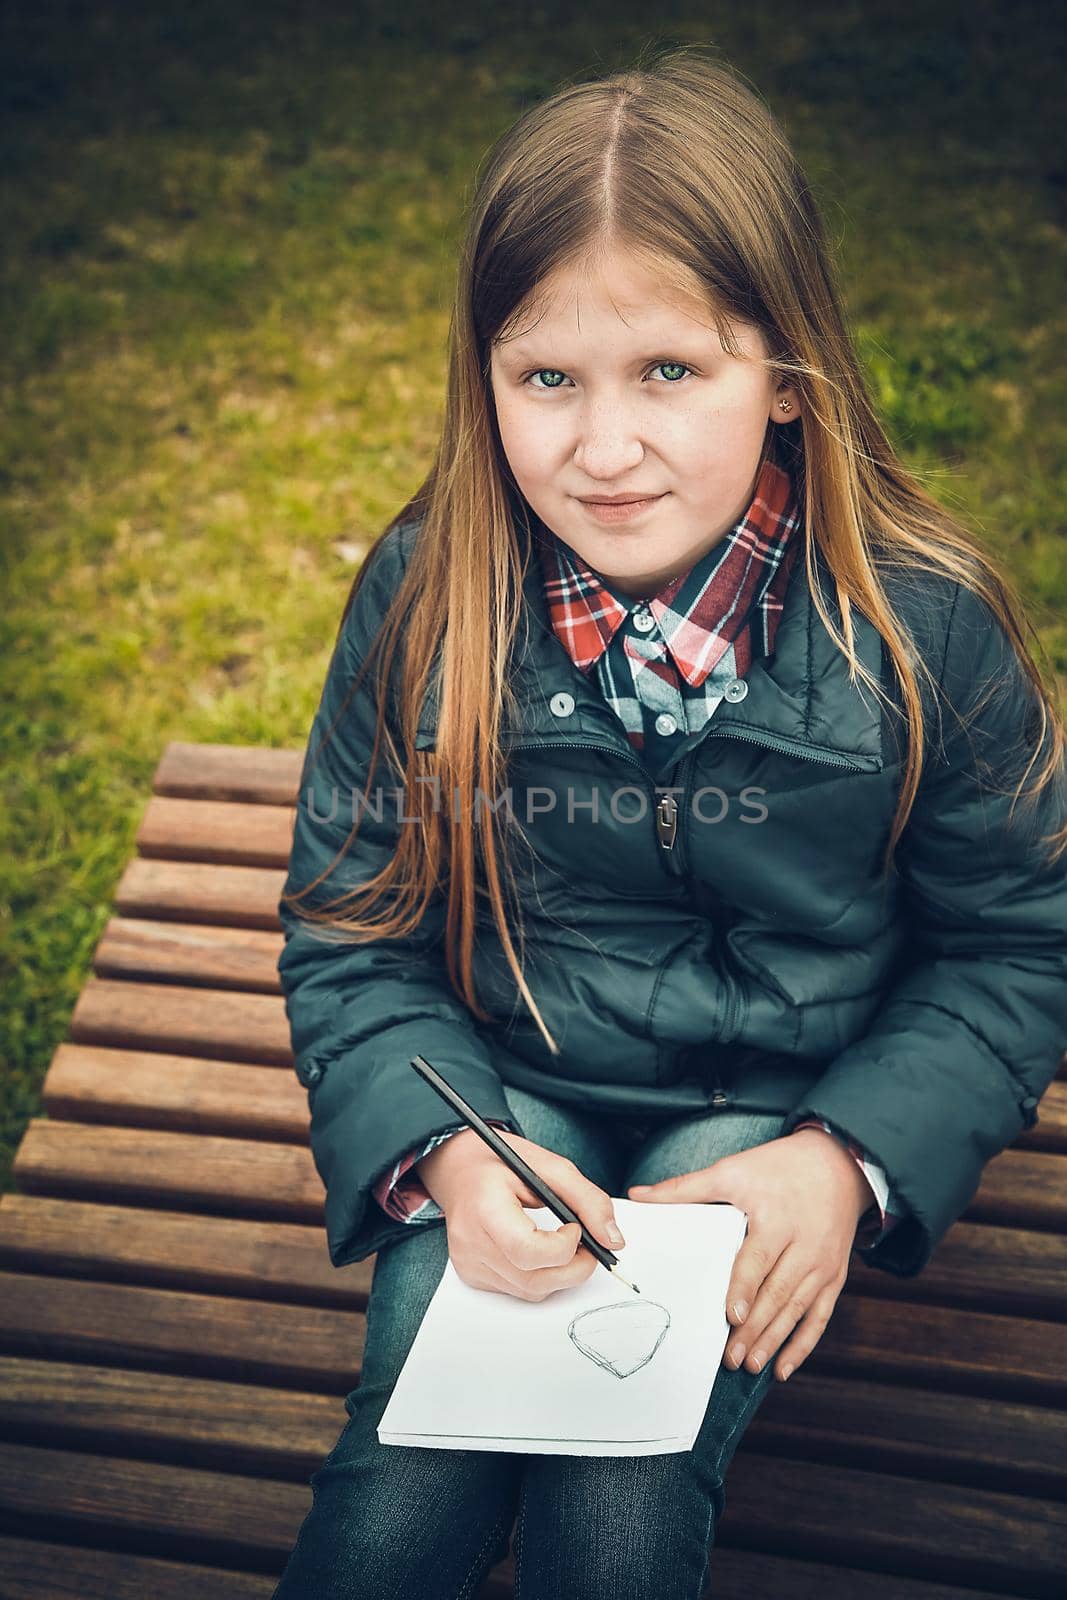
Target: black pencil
x=518, y=1165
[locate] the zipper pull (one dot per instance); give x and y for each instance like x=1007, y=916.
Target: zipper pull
x=667, y=820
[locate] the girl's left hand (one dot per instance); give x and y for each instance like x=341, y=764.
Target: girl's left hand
x=804, y=1195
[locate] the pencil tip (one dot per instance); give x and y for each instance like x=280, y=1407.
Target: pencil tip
x=626, y=1281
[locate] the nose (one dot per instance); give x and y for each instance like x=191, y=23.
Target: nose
x=608, y=445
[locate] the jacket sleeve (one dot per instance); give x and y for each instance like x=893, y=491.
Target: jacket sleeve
x=973, y=1029
x=359, y=1012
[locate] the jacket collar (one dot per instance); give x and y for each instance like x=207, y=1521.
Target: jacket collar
x=799, y=700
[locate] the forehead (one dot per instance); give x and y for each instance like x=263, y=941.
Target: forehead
x=638, y=303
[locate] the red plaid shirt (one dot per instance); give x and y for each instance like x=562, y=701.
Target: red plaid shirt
x=663, y=665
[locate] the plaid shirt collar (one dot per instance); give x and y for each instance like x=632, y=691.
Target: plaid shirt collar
x=732, y=595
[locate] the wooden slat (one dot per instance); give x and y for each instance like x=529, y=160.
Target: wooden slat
x=223, y=1516
x=985, y=1268
x=229, y=772
x=200, y=891
x=971, y=1352
x=854, y=1421
x=739, y=1574
x=1023, y=1188
x=197, y=1422
x=283, y=1433
x=216, y=830
x=906, y=1526
x=206, y=1335
x=239, y=1177
x=151, y=1089
x=178, y=1249
x=200, y=1022
x=189, y=953
x=34, y=1570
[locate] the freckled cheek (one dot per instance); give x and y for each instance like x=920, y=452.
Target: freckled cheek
x=534, y=447
x=696, y=454
x=524, y=443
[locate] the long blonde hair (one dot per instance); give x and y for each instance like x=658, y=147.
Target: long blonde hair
x=681, y=150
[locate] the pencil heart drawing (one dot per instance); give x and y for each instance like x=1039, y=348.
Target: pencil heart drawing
x=622, y=1338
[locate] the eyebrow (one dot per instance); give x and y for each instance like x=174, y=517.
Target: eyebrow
x=525, y=351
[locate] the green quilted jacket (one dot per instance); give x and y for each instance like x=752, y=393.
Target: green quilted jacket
x=721, y=940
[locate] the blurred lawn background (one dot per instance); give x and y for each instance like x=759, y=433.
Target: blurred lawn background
x=230, y=245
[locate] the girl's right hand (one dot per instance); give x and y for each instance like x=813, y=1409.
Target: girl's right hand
x=493, y=1244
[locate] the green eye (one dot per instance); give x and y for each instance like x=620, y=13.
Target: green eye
x=675, y=370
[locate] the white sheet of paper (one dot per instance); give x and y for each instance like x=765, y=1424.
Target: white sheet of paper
x=488, y=1371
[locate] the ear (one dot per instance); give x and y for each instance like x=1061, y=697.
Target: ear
x=785, y=407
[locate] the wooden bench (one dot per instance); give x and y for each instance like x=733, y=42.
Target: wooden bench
x=176, y=1346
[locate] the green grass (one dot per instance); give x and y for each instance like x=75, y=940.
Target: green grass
x=230, y=248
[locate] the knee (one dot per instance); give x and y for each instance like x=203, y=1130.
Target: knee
x=654, y=1530
x=368, y=1528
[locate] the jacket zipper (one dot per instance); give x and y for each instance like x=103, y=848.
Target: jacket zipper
x=780, y=745
x=666, y=807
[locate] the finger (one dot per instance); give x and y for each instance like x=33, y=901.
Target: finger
x=758, y=1256
x=539, y=1282
x=809, y=1330
x=479, y=1262
x=511, y=1237
x=550, y=1280
x=484, y=1276
x=786, y=1293
x=783, y=1301
x=692, y=1187
x=535, y=1261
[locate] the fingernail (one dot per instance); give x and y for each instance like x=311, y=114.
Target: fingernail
x=737, y=1354
x=614, y=1236
x=740, y=1309
x=786, y=1370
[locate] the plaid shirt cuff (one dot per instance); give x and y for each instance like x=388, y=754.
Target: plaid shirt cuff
x=400, y=1192
x=879, y=1220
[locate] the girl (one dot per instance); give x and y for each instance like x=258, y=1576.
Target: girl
x=720, y=843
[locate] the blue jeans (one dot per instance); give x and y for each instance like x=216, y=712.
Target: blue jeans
x=391, y=1521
